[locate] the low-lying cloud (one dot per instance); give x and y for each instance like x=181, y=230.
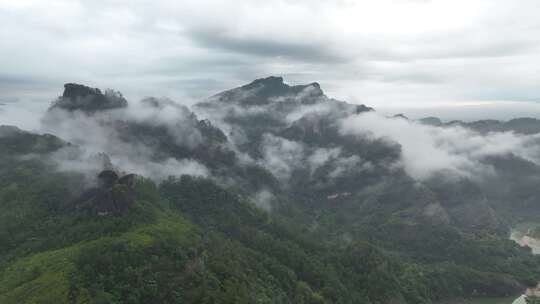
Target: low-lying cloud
x=281, y=156
x=428, y=150
x=98, y=134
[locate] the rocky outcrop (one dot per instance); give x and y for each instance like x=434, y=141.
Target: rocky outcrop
x=87, y=99
x=112, y=195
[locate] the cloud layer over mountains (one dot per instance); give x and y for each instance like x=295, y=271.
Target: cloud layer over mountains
x=296, y=133
x=427, y=150
x=101, y=132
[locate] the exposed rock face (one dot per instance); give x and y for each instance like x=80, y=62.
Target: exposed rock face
x=87, y=99
x=107, y=178
x=113, y=195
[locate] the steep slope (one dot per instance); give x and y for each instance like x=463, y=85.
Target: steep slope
x=187, y=240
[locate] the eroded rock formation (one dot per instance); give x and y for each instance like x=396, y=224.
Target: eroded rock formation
x=112, y=195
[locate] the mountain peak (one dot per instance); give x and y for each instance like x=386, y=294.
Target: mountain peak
x=268, y=85
x=88, y=99
x=269, y=89
x=315, y=84
x=74, y=90
x=271, y=80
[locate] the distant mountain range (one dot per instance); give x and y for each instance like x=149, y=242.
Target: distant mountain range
x=523, y=125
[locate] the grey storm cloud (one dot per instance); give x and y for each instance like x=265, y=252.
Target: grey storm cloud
x=260, y=46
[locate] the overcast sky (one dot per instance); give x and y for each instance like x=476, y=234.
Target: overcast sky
x=467, y=58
